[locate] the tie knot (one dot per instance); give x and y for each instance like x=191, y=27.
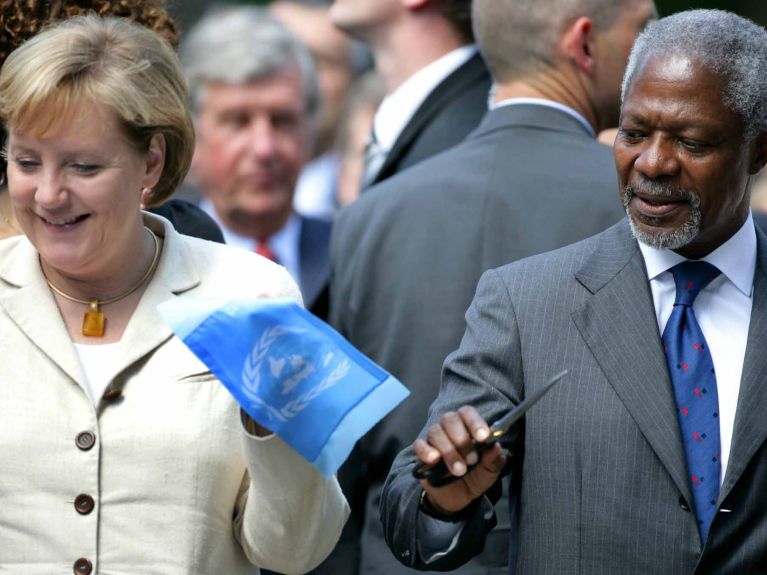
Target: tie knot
x=690, y=278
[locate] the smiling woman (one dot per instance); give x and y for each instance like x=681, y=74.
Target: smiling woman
x=91, y=379
x=20, y=20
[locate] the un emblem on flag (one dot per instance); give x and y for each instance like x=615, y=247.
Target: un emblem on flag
x=284, y=375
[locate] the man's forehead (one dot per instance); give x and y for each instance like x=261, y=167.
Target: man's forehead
x=658, y=73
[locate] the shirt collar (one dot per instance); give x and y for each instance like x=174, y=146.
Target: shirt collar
x=397, y=108
x=279, y=241
x=735, y=258
x=548, y=103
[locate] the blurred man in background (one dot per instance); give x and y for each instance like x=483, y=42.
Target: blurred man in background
x=338, y=61
x=435, y=80
x=254, y=98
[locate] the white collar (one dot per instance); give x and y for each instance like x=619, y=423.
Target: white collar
x=549, y=103
x=397, y=108
x=284, y=242
x=735, y=258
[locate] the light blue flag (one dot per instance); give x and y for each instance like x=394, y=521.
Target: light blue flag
x=289, y=370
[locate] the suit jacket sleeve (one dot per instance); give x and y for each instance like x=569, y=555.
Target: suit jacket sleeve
x=485, y=372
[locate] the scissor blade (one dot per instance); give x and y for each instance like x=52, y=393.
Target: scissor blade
x=501, y=426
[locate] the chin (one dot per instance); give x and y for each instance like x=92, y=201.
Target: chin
x=670, y=238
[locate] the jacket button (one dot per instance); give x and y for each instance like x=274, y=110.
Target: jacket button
x=83, y=567
x=683, y=503
x=84, y=504
x=85, y=440
x=112, y=394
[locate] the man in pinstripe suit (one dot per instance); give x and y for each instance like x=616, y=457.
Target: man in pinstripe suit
x=599, y=472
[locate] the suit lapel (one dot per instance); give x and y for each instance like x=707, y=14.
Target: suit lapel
x=464, y=77
x=314, y=255
x=750, y=430
x=619, y=326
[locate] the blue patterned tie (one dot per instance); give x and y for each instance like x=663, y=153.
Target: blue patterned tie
x=694, y=380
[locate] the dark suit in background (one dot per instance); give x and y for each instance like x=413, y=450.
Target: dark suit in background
x=446, y=116
x=314, y=260
x=604, y=465
x=407, y=257
x=188, y=219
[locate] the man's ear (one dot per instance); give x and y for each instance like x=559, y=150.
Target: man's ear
x=758, y=154
x=577, y=44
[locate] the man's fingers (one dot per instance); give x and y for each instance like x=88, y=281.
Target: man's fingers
x=426, y=452
x=486, y=473
x=452, y=440
x=475, y=423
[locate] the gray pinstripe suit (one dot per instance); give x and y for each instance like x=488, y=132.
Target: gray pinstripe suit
x=602, y=487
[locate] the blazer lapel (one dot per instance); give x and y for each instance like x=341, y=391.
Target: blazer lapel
x=472, y=71
x=750, y=431
x=175, y=274
x=30, y=304
x=619, y=326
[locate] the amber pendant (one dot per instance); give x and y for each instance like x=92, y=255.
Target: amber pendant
x=94, y=321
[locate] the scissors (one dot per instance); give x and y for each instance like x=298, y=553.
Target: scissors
x=439, y=476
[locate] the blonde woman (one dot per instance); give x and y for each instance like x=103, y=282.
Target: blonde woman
x=119, y=451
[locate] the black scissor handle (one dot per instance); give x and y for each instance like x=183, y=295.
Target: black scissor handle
x=438, y=474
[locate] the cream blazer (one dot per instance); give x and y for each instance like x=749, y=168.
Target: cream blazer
x=177, y=485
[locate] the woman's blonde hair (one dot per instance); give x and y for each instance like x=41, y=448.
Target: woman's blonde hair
x=108, y=61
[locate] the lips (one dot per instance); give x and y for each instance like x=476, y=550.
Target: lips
x=657, y=206
x=63, y=223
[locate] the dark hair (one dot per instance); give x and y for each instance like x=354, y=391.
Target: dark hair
x=22, y=19
x=458, y=13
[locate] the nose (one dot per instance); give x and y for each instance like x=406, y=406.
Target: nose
x=263, y=138
x=657, y=158
x=50, y=192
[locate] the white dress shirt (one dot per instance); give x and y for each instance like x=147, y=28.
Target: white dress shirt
x=723, y=310
x=285, y=243
x=397, y=108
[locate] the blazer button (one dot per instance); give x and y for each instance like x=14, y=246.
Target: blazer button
x=84, y=504
x=683, y=503
x=83, y=567
x=85, y=440
x=112, y=394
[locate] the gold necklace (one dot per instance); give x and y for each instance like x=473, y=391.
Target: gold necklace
x=94, y=320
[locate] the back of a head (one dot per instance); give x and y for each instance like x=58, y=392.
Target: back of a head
x=108, y=61
x=519, y=37
x=732, y=47
x=235, y=45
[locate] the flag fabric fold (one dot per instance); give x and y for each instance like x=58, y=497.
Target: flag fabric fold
x=289, y=370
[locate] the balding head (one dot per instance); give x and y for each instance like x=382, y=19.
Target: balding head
x=519, y=37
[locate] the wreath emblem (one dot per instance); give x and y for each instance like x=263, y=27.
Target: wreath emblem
x=251, y=376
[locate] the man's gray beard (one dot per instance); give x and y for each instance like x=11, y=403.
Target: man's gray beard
x=671, y=240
